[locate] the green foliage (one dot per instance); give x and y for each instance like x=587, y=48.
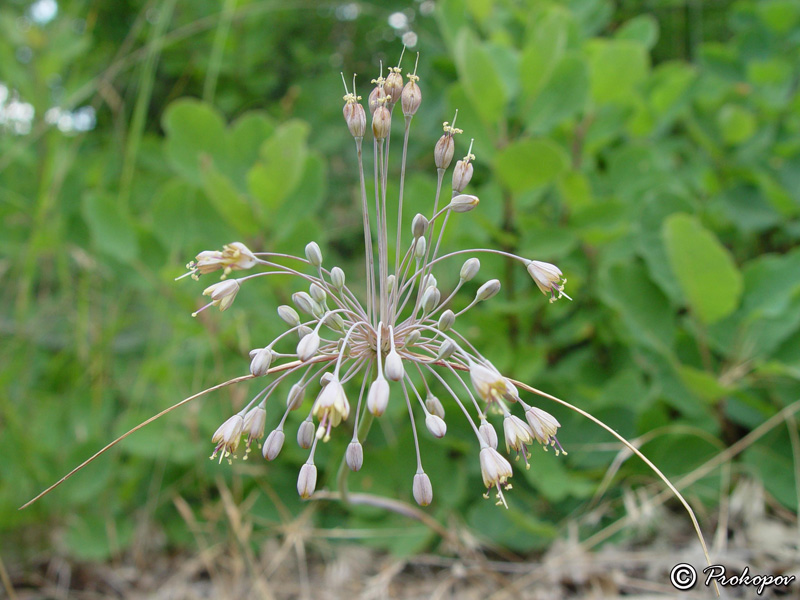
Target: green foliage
x=667, y=191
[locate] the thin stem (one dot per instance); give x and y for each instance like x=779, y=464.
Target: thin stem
x=369, y=259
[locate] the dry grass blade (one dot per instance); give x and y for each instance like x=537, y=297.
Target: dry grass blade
x=636, y=451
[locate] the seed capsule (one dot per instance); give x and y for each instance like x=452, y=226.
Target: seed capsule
x=443, y=151
x=381, y=123
x=355, y=117
x=394, y=84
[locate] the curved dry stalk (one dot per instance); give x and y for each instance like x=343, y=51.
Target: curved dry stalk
x=638, y=453
x=150, y=420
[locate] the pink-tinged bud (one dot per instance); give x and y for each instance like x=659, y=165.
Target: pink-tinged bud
x=378, y=396
x=376, y=98
x=436, y=425
x=443, y=151
x=381, y=123
x=488, y=433
x=308, y=346
x=419, y=226
x=354, y=456
x=462, y=174
x=463, y=203
x=411, y=97
x=272, y=447
x=356, y=119
x=296, y=396
x=423, y=491
x=305, y=434
x=307, y=480
x=394, y=85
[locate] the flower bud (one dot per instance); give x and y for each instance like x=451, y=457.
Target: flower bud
x=419, y=248
x=303, y=331
x=443, y=151
x=337, y=278
x=305, y=434
x=307, y=480
x=548, y=278
x=381, y=123
x=423, y=491
x=469, y=269
x=411, y=97
x=272, y=447
x=462, y=174
x=289, y=315
x=296, y=396
x=308, y=346
x=325, y=379
x=304, y=302
x=223, y=293
x=488, y=433
x=390, y=283
x=394, y=85
x=261, y=359
x=435, y=425
x=393, y=367
x=419, y=226
x=356, y=118
x=254, y=422
x=335, y=321
x=429, y=299
x=463, y=203
x=314, y=254
x=446, y=320
x=354, y=455
x=412, y=338
x=488, y=289
x=434, y=406
x=378, y=396
x=317, y=293
x=429, y=281
x=446, y=351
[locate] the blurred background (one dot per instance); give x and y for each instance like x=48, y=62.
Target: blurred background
x=651, y=149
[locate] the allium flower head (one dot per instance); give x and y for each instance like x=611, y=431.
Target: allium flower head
x=399, y=343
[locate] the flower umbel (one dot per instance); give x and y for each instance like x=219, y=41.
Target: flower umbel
x=398, y=344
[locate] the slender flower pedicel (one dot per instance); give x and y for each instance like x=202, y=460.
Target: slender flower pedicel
x=398, y=344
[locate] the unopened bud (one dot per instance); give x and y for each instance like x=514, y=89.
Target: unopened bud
x=488, y=433
x=381, y=123
x=436, y=425
x=446, y=320
x=307, y=480
x=462, y=174
x=447, y=350
x=378, y=396
x=260, y=360
x=289, y=315
x=304, y=302
x=434, y=406
x=318, y=293
x=303, y=331
x=308, y=346
x=335, y=322
x=443, y=151
x=354, y=455
x=394, y=84
x=390, y=280
x=488, y=289
x=337, y=278
x=296, y=396
x=356, y=118
x=325, y=379
x=423, y=491
x=419, y=226
x=273, y=445
x=429, y=281
x=314, y=254
x=419, y=248
x=429, y=299
x=393, y=367
x=305, y=434
x=463, y=203
x=412, y=338
x=469, y=269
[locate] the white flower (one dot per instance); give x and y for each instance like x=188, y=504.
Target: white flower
x=549, y=279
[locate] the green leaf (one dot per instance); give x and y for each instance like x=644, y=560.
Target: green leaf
x=710, y=280
x=230, y=204
x=543, y=51
x=531, y=163
x=193, y=128
x=617, y=68
x=112, y=232
x=282, y=161
x=642, y=29
x=564, y=96
x=478, y=74
x=736, y=124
